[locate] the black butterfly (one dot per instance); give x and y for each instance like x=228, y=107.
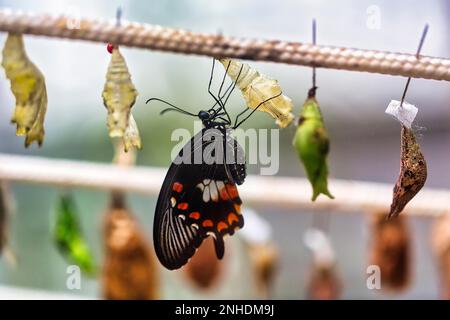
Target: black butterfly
x=199, y=197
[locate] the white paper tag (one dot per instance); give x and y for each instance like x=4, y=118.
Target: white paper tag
x=257, y=229
x=405, y=114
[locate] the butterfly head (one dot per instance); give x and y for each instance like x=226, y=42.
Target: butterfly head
x=204, y=115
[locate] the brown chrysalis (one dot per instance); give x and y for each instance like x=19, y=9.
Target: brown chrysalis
x=5, y=211
x=129, y=270
x=391, y=251
x=204, y=269
x=413, y=172
x=264, y=259
x=324, y=283
x=441, y=246
x=3, y=217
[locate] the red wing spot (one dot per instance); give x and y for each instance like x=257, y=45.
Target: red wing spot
x=224, y=194
x=232, y=190
x=183, y=205
x=177, y=187
x=194, y=215
x=237, y=207
x=207, y=223
x=221, y=225
x=232, y=217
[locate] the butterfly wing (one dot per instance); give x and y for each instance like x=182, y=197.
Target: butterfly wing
x=198, y=198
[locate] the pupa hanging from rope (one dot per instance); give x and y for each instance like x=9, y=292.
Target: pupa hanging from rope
x=5, y=211
x=119, y=96
x=68, y=235
x=203, y=269
x=312, y=143
x=130, y=270
x=324, y=282
x=440, y=242
x=413, y=172
x=257, y=88
x=28, y=87
x=262, y=251
x=413, y=167
x=391, y=251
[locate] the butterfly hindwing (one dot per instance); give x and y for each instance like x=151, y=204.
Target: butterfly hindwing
x=196, y=200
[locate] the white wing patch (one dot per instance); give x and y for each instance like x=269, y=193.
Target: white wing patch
x=211, y=189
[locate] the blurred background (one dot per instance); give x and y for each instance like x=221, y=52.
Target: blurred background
x=364, y=140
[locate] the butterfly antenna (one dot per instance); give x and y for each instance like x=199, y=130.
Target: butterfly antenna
x=172, y=107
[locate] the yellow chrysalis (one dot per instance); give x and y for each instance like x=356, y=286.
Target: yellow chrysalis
x=131, y=137
x=119, y=95
x=28, y=87
x=257, y=88
x=37, y=132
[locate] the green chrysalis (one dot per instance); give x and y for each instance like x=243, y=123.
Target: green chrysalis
x=312, y=145
x=68, y=236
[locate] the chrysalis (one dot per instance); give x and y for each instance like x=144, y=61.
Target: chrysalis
x=129, y=270
x=28, y=87
x=324, y=282
x=264, y=258
x=131, y=137
x=391, y=251
x=258, y=88
x=69, y=238
x=441, y=247
x=5, y=211
x=3, y=217
x=413, y=172
x=119, y=95
x=203, y=269
x=312, y=144
x=37, y=132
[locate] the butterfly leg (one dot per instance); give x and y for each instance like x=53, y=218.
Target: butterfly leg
x=219, y=102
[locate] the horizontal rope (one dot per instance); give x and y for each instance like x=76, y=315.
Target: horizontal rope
x=258, y=191
x=181, y=41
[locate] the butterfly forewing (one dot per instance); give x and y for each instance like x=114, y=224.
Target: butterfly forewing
x=198, y=199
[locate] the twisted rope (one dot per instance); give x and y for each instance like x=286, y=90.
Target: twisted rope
x=181, y=41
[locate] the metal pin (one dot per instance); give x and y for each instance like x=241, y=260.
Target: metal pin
x=314, y=43
x=422, y=40
x=118, y=16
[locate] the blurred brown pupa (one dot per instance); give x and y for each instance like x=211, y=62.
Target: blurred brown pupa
x=204, y=269
x=391, y=251
x=264, y=259
x=324, y=283
x=440, y=242
x=413, y=172
x=3, y=217
x=129, y=271
x=5, y=211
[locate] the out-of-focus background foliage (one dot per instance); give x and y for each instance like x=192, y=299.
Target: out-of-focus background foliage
x=365, y=141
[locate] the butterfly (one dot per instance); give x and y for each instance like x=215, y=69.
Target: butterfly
x=199, y=196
